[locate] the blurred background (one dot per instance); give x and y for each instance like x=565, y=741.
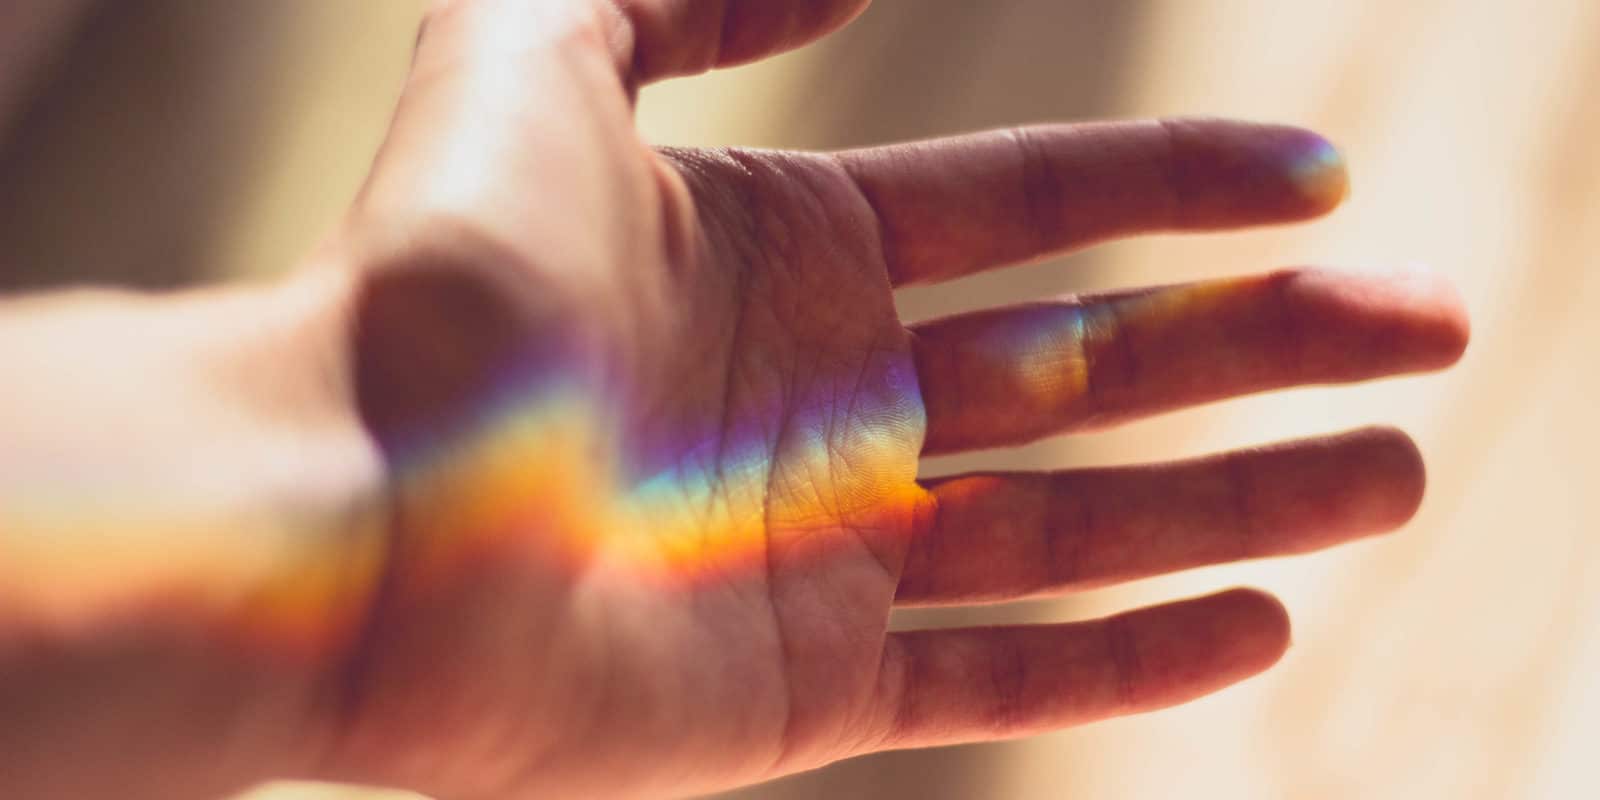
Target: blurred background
x=169, y=142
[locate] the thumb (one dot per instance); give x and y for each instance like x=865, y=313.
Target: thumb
x=682, y=37
x=495, y=83
x=501, y=98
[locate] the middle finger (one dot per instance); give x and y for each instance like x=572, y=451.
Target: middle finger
x=1012, y=375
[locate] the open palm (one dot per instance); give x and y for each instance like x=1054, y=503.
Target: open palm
x=653, y=423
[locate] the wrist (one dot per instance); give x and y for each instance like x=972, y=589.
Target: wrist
x=190, y=526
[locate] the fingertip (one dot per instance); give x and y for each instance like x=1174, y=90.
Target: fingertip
x=1452, y=323
x=1259, y=626
x=1396, y=471
x=1316, y=169
x=1362, y=324
x=1439, y=327
x=1366, y=482
x=1194, y=647
x=1256, y=172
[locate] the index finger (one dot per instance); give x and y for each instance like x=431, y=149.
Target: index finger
x=954, y=206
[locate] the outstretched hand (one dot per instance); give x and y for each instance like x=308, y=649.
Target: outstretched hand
x=651, y=424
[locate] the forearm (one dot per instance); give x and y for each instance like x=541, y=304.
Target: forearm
x=188, y=531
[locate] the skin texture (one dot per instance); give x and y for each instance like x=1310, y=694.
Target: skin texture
x=629, y=437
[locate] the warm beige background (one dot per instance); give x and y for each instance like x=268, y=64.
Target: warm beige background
x=188, y=140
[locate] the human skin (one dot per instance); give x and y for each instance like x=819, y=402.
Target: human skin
x=573, y=467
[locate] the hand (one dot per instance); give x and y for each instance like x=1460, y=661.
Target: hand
x=651, y=424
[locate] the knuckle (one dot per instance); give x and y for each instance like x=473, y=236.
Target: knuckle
x=1127, y=668
x=1042, y=189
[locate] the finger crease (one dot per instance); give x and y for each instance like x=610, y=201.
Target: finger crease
x=1292, y=329
x=1240, y=491
x=1042, y=189
x=1172, y=182
x=886, y=243
x=1125, y=663
x=1064, y=564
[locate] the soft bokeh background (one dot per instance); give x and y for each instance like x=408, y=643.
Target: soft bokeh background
x=163, y=142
